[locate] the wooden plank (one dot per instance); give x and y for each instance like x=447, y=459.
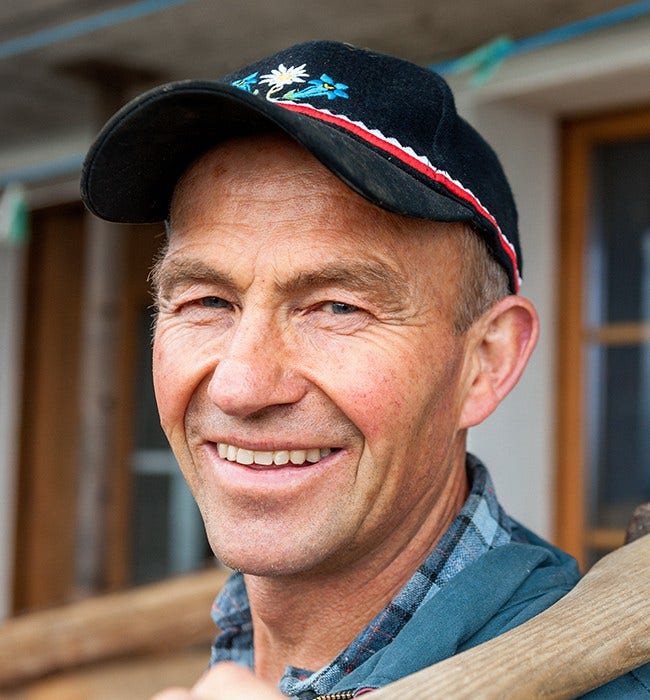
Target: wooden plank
x=133, y=679
x=159, y=617
x=604, y=539
x=570, y=454
x=612, y=126
x=141, y=244
x=99, y=398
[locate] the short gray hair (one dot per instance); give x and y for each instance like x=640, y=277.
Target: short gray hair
x=483, y=280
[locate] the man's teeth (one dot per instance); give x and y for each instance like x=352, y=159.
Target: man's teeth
x=266, y=458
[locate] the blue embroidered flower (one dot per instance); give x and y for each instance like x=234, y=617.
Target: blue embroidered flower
x=323, y=87
x=248, y=83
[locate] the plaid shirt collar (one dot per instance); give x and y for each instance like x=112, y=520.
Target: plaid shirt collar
x=480, y=526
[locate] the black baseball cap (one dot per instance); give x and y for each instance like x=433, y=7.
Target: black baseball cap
x=386, y=127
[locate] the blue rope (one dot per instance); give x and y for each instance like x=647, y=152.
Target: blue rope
x=585, y=26
x=485, y=60
x=70, y=30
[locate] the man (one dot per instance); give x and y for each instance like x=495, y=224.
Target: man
x=337, y=306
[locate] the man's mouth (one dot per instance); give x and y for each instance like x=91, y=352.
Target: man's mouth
x=246, y=457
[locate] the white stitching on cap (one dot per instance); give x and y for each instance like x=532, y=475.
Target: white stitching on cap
x=304, y=107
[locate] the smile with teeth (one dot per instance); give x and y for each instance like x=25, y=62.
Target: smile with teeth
x=246, y=457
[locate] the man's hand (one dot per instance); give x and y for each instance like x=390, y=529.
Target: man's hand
x=225, y=681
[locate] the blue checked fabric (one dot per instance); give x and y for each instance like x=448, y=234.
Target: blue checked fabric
x=480, y=526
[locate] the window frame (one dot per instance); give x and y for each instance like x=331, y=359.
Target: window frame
x=579, y=136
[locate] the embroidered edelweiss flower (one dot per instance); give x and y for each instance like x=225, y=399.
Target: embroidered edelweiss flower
x=281, y=76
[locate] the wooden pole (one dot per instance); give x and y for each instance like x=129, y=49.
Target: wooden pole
x=101, y=313
x=102, y=287
x=103, y=278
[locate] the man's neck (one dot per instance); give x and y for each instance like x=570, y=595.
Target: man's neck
x=305, y=621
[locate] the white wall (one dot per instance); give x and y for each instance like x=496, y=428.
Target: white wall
x=517, y=441
x=519, y=111
x=11, y=280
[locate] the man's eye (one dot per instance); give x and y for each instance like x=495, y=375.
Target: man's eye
x=214, y=303
x=339, y=307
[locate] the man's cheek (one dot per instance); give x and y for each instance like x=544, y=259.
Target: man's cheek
x=169, y=390
x=372, y=399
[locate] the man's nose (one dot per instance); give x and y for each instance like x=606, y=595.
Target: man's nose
x=255, y=372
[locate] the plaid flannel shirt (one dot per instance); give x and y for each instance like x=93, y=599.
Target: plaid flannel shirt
x=480, y=526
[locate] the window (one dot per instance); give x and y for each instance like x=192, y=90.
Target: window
x=604, y=393
x=151, y=525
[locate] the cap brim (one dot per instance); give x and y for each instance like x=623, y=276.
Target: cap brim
x=131, y=170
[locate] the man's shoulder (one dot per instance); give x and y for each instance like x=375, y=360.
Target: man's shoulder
x=501, y=589
x=513, y=583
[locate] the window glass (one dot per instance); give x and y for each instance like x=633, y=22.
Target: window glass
x=620, y=432
x=619, y=245
x=167, y=531
x=618, y=350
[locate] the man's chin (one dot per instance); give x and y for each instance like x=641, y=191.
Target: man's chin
x=265, y=570
x=269, y=561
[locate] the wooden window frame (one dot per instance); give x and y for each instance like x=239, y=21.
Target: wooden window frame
x=579, y=136
x=44, y=563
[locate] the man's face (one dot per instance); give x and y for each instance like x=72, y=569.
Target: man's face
x=304, y=329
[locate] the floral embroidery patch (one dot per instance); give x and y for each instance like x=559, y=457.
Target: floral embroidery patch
x=283, y=77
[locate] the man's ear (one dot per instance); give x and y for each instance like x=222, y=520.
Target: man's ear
x=499, y=345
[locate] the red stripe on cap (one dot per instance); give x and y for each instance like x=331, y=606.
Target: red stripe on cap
x=399, y=152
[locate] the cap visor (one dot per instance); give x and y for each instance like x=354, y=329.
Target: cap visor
x=131, y=170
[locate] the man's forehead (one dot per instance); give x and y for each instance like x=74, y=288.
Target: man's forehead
x=236, y=164
x=299, y=228
x=272, y=171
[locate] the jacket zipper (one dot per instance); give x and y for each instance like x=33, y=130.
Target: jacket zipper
x=342, y=695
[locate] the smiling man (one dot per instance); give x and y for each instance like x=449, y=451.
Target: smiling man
x=336, y=307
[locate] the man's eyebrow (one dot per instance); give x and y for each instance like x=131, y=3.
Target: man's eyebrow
x=375, y=280
x=169, y=274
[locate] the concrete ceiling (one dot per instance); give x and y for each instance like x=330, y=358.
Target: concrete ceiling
x=44, y=100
